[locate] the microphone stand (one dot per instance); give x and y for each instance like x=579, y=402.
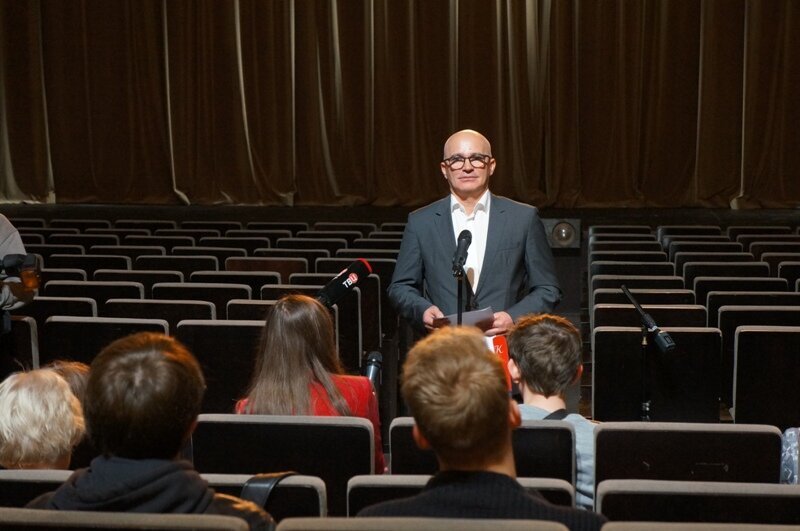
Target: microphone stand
x=462, y=286
x=458, y=272
x=645, y=405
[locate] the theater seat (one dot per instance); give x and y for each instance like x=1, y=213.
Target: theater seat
x=542, y=449
x=98, y=290
x=682, y=385
x=415, y=524
x=23, y=342
x=226, y=350
x=332, y=448
x=732, y=317
x=698, y=501
x=766, y=373
x=363, y=491
x=82, y=338
x=18, y=487
x=682, y=451
x=43, y=519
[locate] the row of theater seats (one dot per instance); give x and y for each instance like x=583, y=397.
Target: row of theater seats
x=724, y=456
x=645, y=471
x=208, y=283
x=731, y=301
x=619, y=500
x=38, y=519
x=542, y=449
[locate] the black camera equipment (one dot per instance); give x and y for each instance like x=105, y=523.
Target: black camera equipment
x=23, y=266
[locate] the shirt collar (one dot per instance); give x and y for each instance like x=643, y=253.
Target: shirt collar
x=482, y=204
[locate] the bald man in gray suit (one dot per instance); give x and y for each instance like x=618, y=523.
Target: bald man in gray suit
x=509, y=263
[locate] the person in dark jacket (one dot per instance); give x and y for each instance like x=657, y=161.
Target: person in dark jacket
x=142, y=400
x=456, y=390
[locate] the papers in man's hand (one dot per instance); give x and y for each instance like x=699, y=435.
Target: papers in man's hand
x=483, y=319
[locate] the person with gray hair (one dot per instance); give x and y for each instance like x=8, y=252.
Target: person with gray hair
x=142, y=400
x=41, y=421
x=74, y=372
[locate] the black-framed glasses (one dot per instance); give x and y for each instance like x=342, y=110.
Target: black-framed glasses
x=476, y=160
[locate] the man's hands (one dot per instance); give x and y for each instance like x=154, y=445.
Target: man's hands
x=430, y=314
x=501, y=325
x=502, y=321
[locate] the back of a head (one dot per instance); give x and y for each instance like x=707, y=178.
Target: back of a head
x=40, y=420
x=547, y=350
x=143, y=396
x=301, y=329
x=297, y=348
x=456, y=390
x=75, y=373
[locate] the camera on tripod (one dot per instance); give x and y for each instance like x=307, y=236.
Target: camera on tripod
x=22, y=266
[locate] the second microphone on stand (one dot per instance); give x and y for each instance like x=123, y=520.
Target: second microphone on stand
x=372, y=369
x=661, y=338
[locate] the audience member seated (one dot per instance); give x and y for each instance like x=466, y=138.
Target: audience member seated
x=142, y=400
x=40, y=421
x=544, y=360
x=77, y=376
x=298, y=371
x=13, y=292
x=75, y=373
x=456, y=390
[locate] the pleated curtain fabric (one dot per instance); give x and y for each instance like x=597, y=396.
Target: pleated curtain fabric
x=668, y=103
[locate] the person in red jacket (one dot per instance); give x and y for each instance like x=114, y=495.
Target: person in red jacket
x=298, y=371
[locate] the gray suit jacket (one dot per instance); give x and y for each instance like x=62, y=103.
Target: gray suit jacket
x=517, y=275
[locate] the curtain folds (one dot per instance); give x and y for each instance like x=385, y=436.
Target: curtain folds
x=588, y=103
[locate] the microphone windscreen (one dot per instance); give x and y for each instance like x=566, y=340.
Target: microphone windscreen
x=344, y=282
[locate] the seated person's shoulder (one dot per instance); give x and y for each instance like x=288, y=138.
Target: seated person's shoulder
x=40, y=502
x=359, y=384
x=256, y=517
x=356, y=390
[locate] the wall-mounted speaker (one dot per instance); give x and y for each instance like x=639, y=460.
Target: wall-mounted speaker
x=563, y=233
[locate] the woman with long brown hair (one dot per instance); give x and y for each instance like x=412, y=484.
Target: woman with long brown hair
x=298, y=371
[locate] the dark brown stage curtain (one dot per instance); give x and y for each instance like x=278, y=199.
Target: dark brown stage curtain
x=771, y=144
x=104, y=86
x=588, y=103
x=24, y=159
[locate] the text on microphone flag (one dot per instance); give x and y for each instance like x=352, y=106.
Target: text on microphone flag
x=351, y=279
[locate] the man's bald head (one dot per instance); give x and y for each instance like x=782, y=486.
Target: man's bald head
x=466, y=140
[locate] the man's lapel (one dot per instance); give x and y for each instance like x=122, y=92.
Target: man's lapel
x=443, y=221
x=494, y=235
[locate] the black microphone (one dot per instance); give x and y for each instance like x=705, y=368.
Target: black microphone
x=344, y=282
x=460, y=258
x=373, y=369
x=662, y=339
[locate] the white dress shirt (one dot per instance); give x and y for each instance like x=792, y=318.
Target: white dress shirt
x=478, y=225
